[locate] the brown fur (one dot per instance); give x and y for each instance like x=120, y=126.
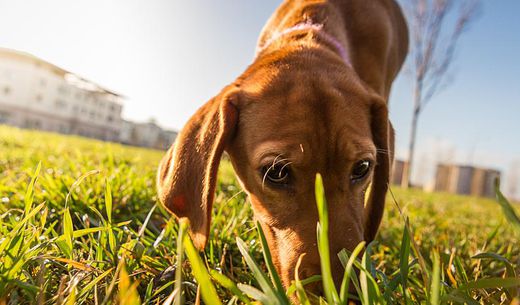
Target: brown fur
x=300, y=101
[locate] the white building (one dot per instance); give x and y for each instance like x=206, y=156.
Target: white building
x=38, y=95
x=147, y=134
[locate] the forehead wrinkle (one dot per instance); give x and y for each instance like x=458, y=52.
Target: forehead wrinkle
x=349, y=134
x=351, y=144
x=279, y=150
x=296, y=117
x=357, y=148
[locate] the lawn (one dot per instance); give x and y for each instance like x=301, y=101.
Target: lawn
x=85, y=227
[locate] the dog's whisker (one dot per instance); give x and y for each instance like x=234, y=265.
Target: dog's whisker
x=273, y=166
x=383, y=151
x=283, y=167
x=263, y=179
x=276, y=161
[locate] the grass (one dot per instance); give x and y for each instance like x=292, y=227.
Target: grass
x=80, y=223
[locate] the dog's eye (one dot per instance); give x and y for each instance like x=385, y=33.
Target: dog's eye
x=360, y=170
x=277, y=173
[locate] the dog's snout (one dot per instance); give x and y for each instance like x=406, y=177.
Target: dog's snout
x=309, y=270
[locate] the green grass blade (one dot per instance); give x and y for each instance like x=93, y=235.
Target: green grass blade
x=259, y=275
x=29, y=194
x=145, y=223
x=77, y=183
x=419, y=256
x=491, y=283
x=497, y=257
x=309, y=280
x=112, y=240
x=183, y=226
x=17, y=229
x=12, y=253
x=127, y=291
x=344, y=259
x=435, y=280
x=85, y=290
x=323, y=242
x=507, y=208
x=256, y=294
x=43, y=218
x=460, y=270
x=344, y=292
x=71, y=299
x=370, y=293
x=404, y=255
x=108, y=207
x=456, y=298
x=68, y=232
x=270, y=266
x=227, y=283
x=108, y=201
x=207, y=289
x=81, y=233
x=300, y=291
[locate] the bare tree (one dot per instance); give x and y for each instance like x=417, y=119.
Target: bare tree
x=436, y=27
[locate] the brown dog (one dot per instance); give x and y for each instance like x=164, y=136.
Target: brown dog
x=314, y=100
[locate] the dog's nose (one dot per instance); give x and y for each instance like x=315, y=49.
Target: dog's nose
x=315, y=288
x=308, y=271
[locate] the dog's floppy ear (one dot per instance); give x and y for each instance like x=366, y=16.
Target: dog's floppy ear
x=382, y=135
x=188, y=173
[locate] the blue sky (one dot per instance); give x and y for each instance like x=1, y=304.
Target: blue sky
x=169, y=57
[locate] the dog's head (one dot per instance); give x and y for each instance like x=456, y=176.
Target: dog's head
x=281, y=123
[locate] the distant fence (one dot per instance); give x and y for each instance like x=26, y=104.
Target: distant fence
x=466, y=180
x=455, y=179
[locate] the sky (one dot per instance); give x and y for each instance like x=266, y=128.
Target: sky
x=168, y=57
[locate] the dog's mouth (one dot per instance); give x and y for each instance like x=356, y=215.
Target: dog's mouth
x=316, y=293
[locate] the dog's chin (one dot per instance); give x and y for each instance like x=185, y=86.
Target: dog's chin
x=314, y=292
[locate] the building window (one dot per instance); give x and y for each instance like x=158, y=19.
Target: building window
x=7, y=74
x=63, y=129
x=60, y=104
x=39, y=98
x=7, y=90
x=4, y=116
x=33, y=124
x=63, y=90
x=110, y=118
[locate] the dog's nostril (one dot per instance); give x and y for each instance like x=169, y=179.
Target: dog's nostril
x=309, y=271
x=315, y=288
x=304, y=273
